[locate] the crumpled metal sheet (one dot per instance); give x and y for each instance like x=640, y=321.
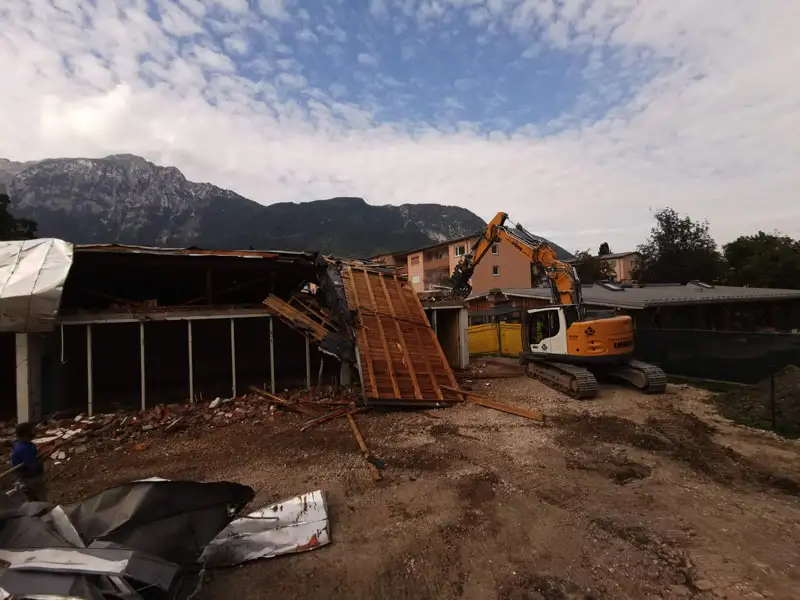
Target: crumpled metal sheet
x=32, y=276
x=173, y=520
x=294, y=525
x=145, y=535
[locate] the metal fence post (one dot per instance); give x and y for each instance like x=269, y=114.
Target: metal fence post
x=772, y=398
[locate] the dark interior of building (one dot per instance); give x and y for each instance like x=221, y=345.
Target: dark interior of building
x=104, y=284
x=447, y=332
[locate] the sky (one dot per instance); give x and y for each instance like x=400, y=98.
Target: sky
x=576, y=117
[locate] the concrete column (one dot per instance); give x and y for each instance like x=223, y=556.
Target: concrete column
x=29, y=377
x=233, y=358
x=345, y=373
x=191, y=358
x=89, y=372
x=308, y=364
x=271, y=357
x=463, y=337
x=142, y=367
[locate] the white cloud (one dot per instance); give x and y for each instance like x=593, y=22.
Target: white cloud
x=711, y=128
x=368, y=60
x=337, y=33
x=378, y=9
x=274, y=9
x=236, y=44
x=306, y=35
x=337, y=90
x=465, y=83
x=291, y=80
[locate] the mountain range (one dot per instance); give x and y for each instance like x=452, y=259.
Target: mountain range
x=126, y=199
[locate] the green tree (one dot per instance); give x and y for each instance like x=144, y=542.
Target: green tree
x=592, y=269
x=604, y=249
x=12, y=228
x=679, y=250
x=764, y=260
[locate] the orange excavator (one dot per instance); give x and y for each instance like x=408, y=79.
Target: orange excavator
x=565, y=345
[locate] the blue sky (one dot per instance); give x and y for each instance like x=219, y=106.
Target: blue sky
x=577, y=117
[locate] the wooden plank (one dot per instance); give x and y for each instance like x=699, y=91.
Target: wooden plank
x=487, y=402
x=306, y=410
x=372, y=382
x=417, y=334
x=325, y=322
x=402, y=341
x=376, y=473
x=451, y=378
x=382, y=335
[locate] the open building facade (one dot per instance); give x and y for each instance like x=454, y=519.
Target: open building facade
x=94, y=329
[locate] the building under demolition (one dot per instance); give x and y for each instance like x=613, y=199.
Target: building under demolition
x=100, y=328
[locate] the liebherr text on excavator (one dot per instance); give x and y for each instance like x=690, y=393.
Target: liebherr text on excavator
x=564, y=345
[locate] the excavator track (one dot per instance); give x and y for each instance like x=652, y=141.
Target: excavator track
x=648, y=378
x=570, y=379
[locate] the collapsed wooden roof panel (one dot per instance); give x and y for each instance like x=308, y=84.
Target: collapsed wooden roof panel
x=400, y=356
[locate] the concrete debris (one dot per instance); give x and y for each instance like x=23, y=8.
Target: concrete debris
x=131, y=430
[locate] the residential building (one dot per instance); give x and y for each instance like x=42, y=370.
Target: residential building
x=429, y=267
x=624, y=265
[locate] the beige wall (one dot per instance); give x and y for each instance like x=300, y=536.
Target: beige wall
x=513, y=267
x=624, y=267
x=416, y=274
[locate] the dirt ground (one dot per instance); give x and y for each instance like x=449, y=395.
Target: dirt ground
x=623, y=496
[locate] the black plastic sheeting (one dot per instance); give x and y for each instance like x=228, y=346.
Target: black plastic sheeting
x=156, y=529
x=331, y=287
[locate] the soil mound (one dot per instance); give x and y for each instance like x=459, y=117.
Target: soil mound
x=752, y=405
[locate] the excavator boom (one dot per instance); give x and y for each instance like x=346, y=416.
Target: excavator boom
x=562, y=276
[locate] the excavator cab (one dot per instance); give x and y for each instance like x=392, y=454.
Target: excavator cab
x=547, y=331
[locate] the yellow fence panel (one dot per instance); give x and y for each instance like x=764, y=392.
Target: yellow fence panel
x=495, y=338
x=510, y=339
x=483, y=339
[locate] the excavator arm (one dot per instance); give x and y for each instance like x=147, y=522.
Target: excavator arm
x=562, y=276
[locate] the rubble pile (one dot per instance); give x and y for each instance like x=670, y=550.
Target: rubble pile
x=74, y=436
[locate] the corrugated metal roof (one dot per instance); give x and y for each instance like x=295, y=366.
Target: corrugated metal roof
x=659, y=294
x=192, y=251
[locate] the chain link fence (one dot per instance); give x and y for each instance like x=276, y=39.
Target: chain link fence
x=766, y=364
x=740, y=357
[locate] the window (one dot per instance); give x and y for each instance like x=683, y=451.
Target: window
x=415, y=279
x=542, y=326
x=415, y=260
x=461, y=250
x=495, y=249
x=496, y=270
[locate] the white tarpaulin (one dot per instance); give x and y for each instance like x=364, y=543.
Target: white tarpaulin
x=32, y=276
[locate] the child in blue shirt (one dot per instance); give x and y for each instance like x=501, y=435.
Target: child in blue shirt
x=29, y=469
